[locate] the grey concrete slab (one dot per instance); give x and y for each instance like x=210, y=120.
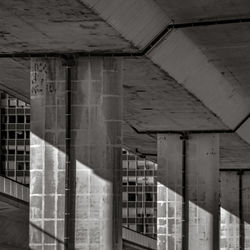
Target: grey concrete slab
x=193, y=10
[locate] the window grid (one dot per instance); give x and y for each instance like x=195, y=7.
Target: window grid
x=15, y=134
x=139, y=194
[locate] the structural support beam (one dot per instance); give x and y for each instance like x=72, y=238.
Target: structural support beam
x=244, y=131
x=196, y=184
x=94, y=215
x=185, y=62
x=138, y=21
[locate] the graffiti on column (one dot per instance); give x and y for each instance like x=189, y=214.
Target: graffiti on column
x=39, y=73
x=40, y=83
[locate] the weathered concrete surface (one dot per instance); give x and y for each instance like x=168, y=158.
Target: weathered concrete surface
x=226, y=47
x=246, y=207
x=14, y=78
x=244, y=130
x=45, y=26
x=184, y=61
x=229, y=226
x=142, y=22
x=95, y=153
x=144, y=86
x=55, y=26
x=156, y=102
x=169, y=192
x=234, y=152
x=195, y=11
x=188, y=65
x=202, y=189
x=211, y=63
x=234, y=207
x=149, y=101
x=47, y=154
x=14, y=226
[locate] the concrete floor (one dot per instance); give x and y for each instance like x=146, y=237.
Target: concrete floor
x=14, y=226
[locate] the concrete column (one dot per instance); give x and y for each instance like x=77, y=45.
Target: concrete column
x=229, y=213
x=47, y=156
x=95, y=154
x=169, y=192
x=201, y=189
x=246, y=210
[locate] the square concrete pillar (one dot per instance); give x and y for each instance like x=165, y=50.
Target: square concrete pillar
x=230, y=210
x=47, y=156
x=203, y=191
x=188, y=172
x=95, y=154
x=245, y=186
x=169, y=192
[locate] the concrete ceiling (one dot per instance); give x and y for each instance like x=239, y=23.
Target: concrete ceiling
x=227, y=47
x=192, y=11
x=194, y=79
x=156, y=102
x=55, y=26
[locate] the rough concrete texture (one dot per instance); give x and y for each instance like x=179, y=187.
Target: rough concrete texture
x=229, y=213
x=96, y=141
x=56, y=26
x=246, y=208
x=15, y=77
x=95, y=153
x=194, y=11
x=169, y=192
x=202, y=187
x=218, y=85
x=230, y=210
x=203, y=191
x=47, y=157
x=234, y=152
x=188, y=65
x=156, y=102
x=49, y=26
x=142, y=22
x=14, y=226
x=243, y=131
x=144, y=86
x=216, y=44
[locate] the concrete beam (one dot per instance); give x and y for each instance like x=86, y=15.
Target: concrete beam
x=138, y=21
x=244, y=131
x=186, y=63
